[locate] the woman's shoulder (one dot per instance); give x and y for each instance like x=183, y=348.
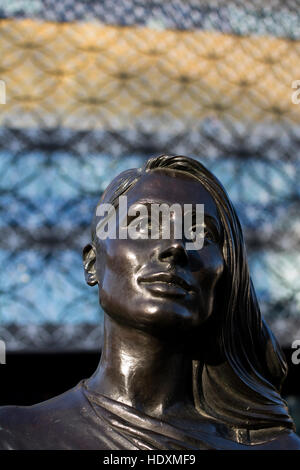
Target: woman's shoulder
x=289, y=441
x=33, y=426
x=284, y=440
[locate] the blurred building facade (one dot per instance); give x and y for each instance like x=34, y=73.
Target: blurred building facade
x=94, y=88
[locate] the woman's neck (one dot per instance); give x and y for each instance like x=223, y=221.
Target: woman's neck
x=142, y=371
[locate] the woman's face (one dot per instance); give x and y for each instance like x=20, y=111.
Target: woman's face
x=157, y=285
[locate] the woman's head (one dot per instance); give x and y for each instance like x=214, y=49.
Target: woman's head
x=164, y=286
x=238, y=377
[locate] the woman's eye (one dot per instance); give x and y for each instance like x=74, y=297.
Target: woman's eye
x=208, y=235
x=194, y=231
x=146, y=225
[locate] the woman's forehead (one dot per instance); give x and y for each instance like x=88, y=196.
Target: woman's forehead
x=171, y=186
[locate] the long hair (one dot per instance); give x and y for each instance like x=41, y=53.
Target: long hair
x=242, y=389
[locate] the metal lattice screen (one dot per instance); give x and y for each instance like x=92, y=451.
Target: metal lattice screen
x=94, y=88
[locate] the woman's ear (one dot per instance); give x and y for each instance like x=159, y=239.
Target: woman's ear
x=89, y=261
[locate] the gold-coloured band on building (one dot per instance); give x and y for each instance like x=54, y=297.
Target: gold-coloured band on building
x=90, y=75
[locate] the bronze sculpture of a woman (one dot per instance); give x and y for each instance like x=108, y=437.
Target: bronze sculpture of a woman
x=187, y=361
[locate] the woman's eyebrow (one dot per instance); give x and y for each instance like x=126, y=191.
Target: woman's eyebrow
x=148, y=202
x=213, y=221
x=137, y=204
x=210, y=219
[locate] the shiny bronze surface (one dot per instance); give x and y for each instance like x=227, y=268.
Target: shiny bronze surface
x=187, y=361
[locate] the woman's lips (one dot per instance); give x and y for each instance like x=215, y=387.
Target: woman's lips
x=165, y=288
x=167, y=284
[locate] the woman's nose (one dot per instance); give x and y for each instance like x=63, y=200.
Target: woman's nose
x=173, y=252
